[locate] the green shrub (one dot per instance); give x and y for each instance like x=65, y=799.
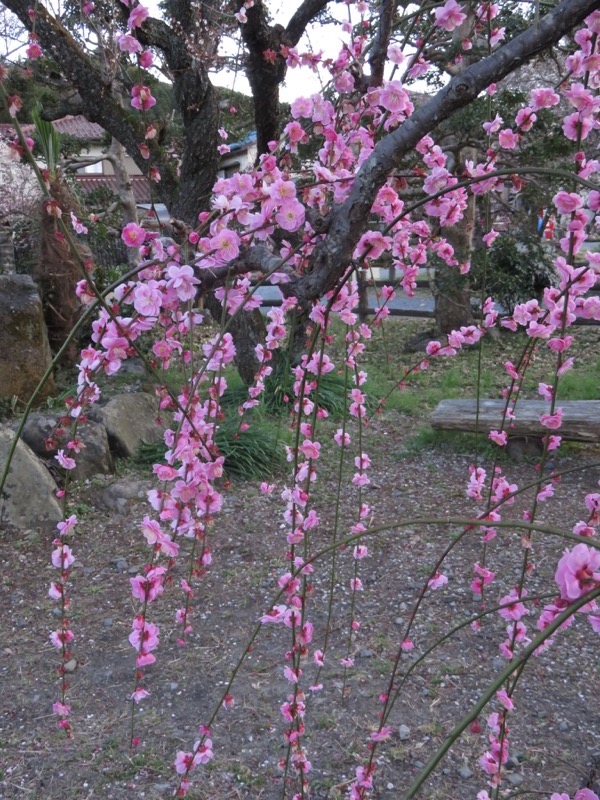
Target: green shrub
x=519, y=268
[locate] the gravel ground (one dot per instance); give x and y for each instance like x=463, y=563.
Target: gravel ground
x=555, y=737
x=555, y=731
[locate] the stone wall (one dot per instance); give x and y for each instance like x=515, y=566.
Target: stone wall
x=24, y=349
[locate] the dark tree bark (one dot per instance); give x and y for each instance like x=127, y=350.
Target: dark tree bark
x=265, y=64
x=452, y=292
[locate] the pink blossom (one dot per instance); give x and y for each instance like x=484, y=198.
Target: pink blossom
x=585, y=794
x=295, y=133
x=449, y=16
x=489, y=764
x=291, y=215
x=543, y=98
x=437, y=581
x=62, y=557
x=493, y=125
x=341, y=438
x=137, y=16
x=525, y=118
x=577, y=126
x=505, y=700
x=508, y=139
x=513, y=608
x=65, y=461
x=592, y=502
x=226, y=244
x=56, y=591
x=490, y=237
x=499, y=437
x=393, y=96
x=310, y=450
x=575, y=574
x=133, y=235
x=33, y=51
x=61, y=638
x=567, y=202
x=148, y=299
x=485, y=577
x=395, y=54
x=545, y=493
x=382, y=734
x=497, y=36
x=144, y=636
x=67, y=526
x=510, y=368
x=183, y=280
x=145, y=60
x=546, y=391
x=552, y=421
x=139, y=694
x=142, y=99
x=302, y=107
x=84, y=292
x=581, y=98
x=129, y=43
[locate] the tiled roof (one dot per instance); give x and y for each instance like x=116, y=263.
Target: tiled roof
x=139, y=184
x=7, y=130
x=79, y=127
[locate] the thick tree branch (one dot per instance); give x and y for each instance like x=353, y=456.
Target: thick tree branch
x=197, y=101
x=378, y=55
x=303, y=16
x=98, y=100
x=266, y=67
x=349, y=220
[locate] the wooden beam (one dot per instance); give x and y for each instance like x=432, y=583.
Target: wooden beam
x=580, y=421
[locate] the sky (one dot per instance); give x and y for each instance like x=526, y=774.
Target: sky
x=298, y=82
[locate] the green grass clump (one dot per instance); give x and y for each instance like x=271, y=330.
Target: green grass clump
x=580, y=385
x=252, y=454
x=332, y=393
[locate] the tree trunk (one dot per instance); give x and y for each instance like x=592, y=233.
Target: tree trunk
x=198, y=101
x=247, y=329
x=451, y=289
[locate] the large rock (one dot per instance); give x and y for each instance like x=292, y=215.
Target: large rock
x=24, y=349
x=122, y=496
x=129, y=419
x=95, y=457
x=28, y=499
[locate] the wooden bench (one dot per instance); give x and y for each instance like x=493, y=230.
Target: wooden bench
x=580, y=421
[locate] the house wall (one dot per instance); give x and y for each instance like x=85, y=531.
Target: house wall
x=105, y=167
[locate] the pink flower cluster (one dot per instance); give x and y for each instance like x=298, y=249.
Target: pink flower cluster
x=63, y=637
